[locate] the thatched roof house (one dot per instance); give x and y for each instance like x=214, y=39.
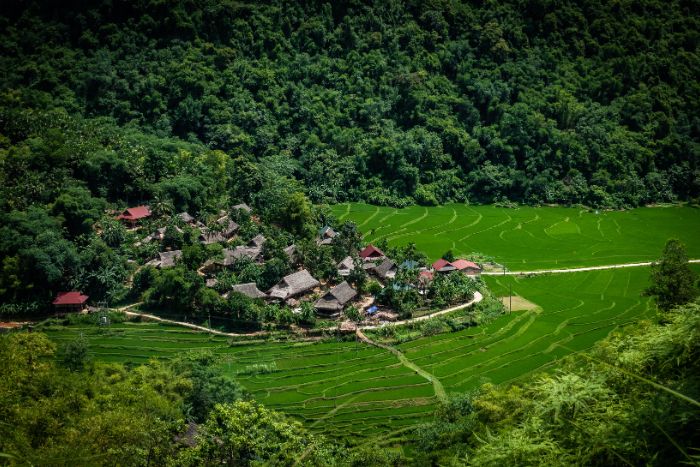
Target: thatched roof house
x=159, y=234
x=386, y=269
x=335, y=299
x=257, y=241
x=293, y=284
x=229, y=229
x=186, y=217
x=231, y=256
x=346, y=266
x=249, y=289
x=166, y=259
x=291, y=252
x=243, y=207
x=326, y=236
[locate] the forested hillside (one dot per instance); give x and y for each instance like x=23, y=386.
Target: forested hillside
x=389, y=102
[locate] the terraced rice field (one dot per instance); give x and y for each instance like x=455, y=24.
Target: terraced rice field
x=353, y=390
x=530, y=238
x=346, y=388
x=575, y=311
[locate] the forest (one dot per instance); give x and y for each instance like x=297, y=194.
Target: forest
x=390, y=102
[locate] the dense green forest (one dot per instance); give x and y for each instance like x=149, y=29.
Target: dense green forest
x=391, y=102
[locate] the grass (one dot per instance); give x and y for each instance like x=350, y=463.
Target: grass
x=529, y=238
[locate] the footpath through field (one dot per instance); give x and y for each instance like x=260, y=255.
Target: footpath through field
x=437, y=385
x=561, y=271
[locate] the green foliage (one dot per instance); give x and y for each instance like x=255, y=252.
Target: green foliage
x=245, y=433
x=353, y=314
x=672, y=281
x=76, y=354
x=632, y=399
x=103, y=417
x=448, y=289
x=209, y=385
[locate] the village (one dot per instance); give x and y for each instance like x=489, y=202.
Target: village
x=366, y=285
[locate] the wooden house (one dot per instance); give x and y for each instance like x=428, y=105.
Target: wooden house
x=293, y=285
x=336, y=298
x=70, y=301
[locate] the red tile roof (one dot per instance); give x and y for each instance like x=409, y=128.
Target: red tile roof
x=441, y=263
x=371, y=250
x=70, y=298
x=461, y=264
x=136, y=213
x=427, y=274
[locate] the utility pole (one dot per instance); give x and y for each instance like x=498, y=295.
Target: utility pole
x=510, y=298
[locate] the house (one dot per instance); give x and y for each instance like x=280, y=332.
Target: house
x=467, y=267
x=409, y=264
x=228, y=229
x=346, y=266
x=424, y=279
x=442, y=265
x=243, y=207
x=70, y=301
x=293, y=285
x=425, y=276
x=166, y=259
x=386, y=269
x=231, y=256
x=187, y=218
x=159, y=235
x=132, y=215
x=326, y=236
x=371, y=253
x=336, y=298
x=249, y=289
x=257, y=241
x=291, y=252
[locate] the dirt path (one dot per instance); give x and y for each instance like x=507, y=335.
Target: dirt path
x=125, y=310
x=437, y=385
x=477, y=298
x=561, y=271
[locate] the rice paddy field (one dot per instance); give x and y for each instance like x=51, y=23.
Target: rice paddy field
x=528, y=238
x=358, y=392
x=353, y=390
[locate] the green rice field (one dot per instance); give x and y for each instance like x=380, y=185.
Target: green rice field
x=353, y=390
x=528, y=238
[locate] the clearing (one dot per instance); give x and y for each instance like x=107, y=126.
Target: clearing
x=517, y=303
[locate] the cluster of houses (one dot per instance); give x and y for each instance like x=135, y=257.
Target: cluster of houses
x=291, y=288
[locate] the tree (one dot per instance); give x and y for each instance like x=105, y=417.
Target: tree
x=672, y=281
x=76, y=354
x=246, y=433
x=297, y=216
x=209, y=385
